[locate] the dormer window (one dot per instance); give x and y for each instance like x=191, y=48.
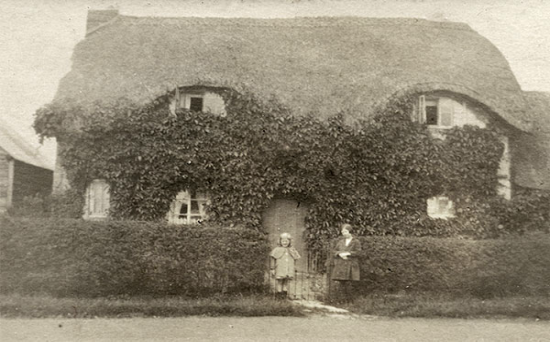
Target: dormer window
x=437, y=111
x=192, y=102
x=198, y=99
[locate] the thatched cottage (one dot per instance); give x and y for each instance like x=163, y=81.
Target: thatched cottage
x=310, y=65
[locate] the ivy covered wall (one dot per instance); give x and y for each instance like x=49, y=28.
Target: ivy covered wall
x=376, y=174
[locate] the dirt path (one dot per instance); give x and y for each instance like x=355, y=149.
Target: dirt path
x=314, y=328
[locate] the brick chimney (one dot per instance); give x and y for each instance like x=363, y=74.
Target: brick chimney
x=97, y=18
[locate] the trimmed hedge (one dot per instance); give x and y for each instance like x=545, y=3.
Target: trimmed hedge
x=482, y=268
x=84, y=258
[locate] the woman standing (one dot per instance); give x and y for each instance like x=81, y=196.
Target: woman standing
x=345, y=262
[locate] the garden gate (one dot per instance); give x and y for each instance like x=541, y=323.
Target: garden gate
x=287, y=216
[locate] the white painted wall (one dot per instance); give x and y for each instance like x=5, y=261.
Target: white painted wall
x=467, y=114
x=504, y=187
x=213, y=103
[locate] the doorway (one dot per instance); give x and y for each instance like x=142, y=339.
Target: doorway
x=288, y=216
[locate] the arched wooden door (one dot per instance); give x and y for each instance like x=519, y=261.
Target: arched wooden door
x=288, y=216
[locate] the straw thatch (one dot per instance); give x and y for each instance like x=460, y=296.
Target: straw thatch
x=19, y=147
x=532, y=158
x=311, y=65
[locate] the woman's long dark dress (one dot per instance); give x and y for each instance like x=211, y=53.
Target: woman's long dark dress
x=343, y=269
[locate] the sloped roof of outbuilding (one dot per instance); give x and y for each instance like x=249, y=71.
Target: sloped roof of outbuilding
x=532, y=160
x=19, y=148
x=318, y=65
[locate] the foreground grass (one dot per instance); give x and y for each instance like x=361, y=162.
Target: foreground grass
x=430, y=306
x=409, y=305
x=13, y=306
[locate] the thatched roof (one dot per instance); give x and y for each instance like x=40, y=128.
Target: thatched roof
x=19, y=148
x=318, y=65
x=532, y=160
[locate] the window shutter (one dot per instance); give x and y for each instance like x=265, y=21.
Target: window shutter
x=459, y=108
x=445, y=112
x=422, y=109
x=90, y=200
x=182, y=216
x=101, y=198
x=177, y=98
x=96, y=198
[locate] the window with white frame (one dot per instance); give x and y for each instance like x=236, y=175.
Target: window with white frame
x=193, y=102
x=198, y=100
x=440, y=207
x=187, y=208
x=97, y=201
x=437, y=111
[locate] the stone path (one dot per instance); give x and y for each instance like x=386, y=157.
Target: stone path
x=316, y=307
x=314, y=304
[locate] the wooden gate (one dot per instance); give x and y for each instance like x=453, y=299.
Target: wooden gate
x=287, y=216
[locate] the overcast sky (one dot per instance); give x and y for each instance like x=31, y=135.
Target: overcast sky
x=37, y=36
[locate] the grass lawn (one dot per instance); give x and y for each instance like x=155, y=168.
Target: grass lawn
x=431, y=305
x=408, y=305
x=44, y=306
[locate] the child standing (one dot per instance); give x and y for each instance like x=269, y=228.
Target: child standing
x=283, y=259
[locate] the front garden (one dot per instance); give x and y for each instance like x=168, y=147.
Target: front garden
x=77, y=268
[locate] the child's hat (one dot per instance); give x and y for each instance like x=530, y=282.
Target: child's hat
x=286, y=236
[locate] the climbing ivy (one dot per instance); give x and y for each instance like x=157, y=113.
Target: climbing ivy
x=376, y=173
